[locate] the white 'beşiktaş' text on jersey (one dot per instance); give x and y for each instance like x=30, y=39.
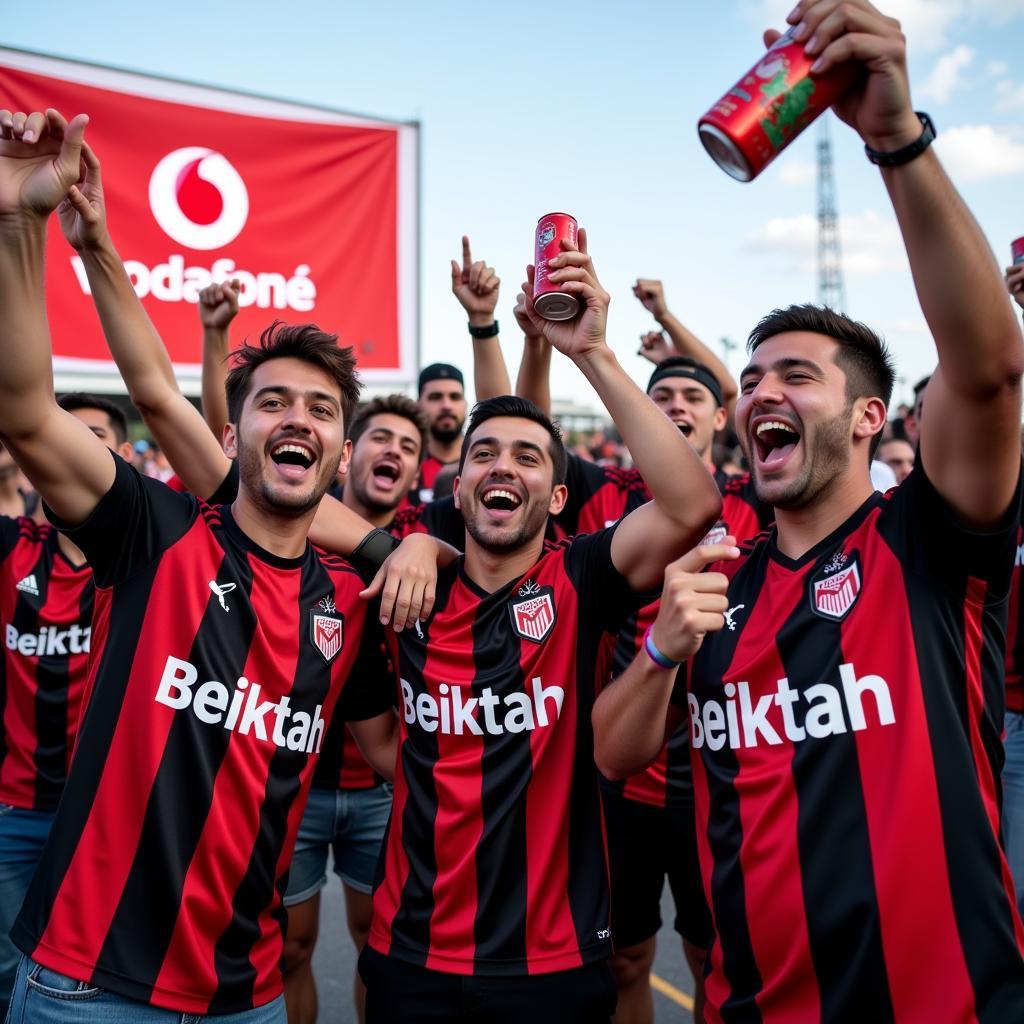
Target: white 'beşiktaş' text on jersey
x=715, y=724
x=456, y=715
x=49, y=641
x=241, y=711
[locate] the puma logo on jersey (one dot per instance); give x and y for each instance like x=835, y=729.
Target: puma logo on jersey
x=454, y=714
x=739, y=722
x=221, y=590
x=239, y=711
x=28, y=585
x=49, y=641
x=729, y=614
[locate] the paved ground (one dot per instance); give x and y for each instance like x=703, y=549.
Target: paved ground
x=334, y=962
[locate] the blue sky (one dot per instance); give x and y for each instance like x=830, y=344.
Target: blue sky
x=592, y=108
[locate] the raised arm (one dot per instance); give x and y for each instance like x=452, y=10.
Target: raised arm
x=534, y=379
x=476, y=286
x=218, y=306
x=686, y=500
x=651, y=294
x=71, y=469
x=970, y=431
x=176, y=425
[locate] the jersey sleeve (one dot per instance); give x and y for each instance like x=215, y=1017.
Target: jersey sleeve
x=605, y=596
x=228, y=489
x=369, y=689
x=10, y=531
x=929, y=539
x=133, y=524
x=441, y=519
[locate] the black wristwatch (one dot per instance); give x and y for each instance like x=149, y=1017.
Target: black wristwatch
x=489, y=331
x=906, y=153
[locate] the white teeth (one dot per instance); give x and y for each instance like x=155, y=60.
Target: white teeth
x=282, y=448
x=508, y=495
x=774, y=425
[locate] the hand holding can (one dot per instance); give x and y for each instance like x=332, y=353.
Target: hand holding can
x=549, y=300
x=1017, y=250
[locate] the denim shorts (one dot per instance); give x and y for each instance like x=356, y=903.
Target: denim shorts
x=349, y=821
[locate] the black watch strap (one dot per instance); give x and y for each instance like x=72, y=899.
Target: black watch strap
x=372, y=550
x=907, y=153
x=489, y=331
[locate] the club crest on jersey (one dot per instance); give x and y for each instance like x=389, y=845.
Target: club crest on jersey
x=534, y=616
x=326, y=627
x=835, y=594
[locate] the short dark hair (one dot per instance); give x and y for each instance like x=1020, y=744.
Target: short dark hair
x=396, y=405
x=81, y=400
x=863, y=356
x=524, y=409
x=921, y=385
x=294, y=341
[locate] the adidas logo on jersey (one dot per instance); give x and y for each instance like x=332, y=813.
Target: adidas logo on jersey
x=49, y=641
x=28, y=585
x=740, y=723
x=452, y=714
x=240, y=711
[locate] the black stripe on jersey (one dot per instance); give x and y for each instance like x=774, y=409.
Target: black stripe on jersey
x=627, y=643
x=506, y=768
x=410, y=927
x=127, y=614
x=982, y=909
x=832, y=834
x=725, y=825
x=235, y=971
x=180, y=798
x=589, y=899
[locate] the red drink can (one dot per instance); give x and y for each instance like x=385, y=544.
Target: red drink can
x=1017, y=248
x=548, y=299
x=769, y=107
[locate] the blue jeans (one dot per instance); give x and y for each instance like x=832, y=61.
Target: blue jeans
x=42, y=996
x=1013, y=801
x=22, y=837
x=349, y=821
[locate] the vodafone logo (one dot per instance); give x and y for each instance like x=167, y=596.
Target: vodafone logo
x=198, y=198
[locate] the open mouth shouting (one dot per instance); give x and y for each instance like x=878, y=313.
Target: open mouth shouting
x=385, y=474
x=774, y=442
x=293, y=459
x=686, y=429
x=500, y=502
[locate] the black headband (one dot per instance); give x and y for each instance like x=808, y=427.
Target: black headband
x=686, y=368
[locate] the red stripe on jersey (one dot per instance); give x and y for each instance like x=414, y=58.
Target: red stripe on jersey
x=356, y=772
x=458, y=825
x=769, y=814
x=896, y=778
x=648, y=786
x=233, y=825
x=550, y=928
x=82, y=911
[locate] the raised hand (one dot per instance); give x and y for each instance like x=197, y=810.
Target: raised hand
x=40, y=159
x=1015, y=283
x=83, y=212
x=693, y=602
x=573, y=272
x=475, y=285
x=651, y=295
x=655, y=347
x=526, y=325
x=218, y=304
x=836, y=31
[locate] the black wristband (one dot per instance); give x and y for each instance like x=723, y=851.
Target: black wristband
x=373, y=549
x=907, y=153
x=489, y=331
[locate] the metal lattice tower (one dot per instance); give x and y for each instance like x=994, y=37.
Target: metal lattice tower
x=831, y=291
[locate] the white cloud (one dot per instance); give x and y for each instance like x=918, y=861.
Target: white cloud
x=870, y=242
x=797, y=172
x=977, y=152
x=1009, y=95
x=929, y=25
x=997, y=68
x=946, y=75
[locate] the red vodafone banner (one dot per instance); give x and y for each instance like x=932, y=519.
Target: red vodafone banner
x=314, y=211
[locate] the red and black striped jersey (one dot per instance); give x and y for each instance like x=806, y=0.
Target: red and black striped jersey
x=1015, y=635
x=46, y=611
x=422, y=490
x=494, y=858
x=667, y=781
x=845, y=734
x=215, y=668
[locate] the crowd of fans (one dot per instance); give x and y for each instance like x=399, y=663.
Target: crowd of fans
x=755, y=637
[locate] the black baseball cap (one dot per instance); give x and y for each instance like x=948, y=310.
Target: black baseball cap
x=440, y=371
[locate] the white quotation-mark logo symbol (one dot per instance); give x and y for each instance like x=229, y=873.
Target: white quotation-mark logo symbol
x=198, y=198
